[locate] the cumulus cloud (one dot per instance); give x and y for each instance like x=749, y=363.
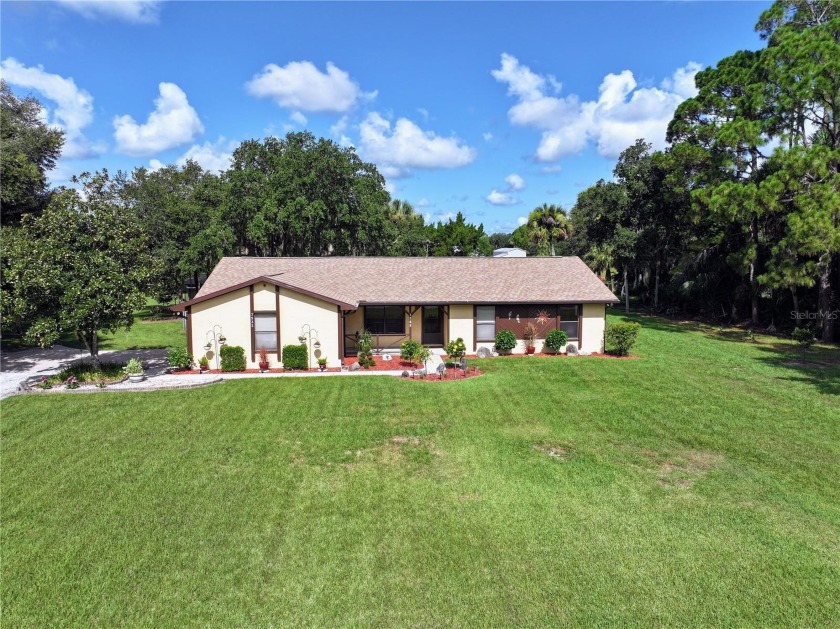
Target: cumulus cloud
x=522, y=220
x=135, y=11
x=298, y=118
x=515, y=182
x=300, y=85
x=215, y=156
x=398, y=148
x=173, y=123
x=497, y=197
x=622, y=113
x=73, y=109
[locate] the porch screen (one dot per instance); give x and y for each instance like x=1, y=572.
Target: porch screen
x=568, y=316
x=385, y=319
x=265, y=330
x=485, y=323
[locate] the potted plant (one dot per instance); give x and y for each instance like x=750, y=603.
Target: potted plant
x=203, y=364
x=134, y=370
x=530, y=334
x=263, y=359
x=322, y=364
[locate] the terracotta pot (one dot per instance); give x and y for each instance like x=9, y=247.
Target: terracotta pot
x=531, y=349
x=264, y=366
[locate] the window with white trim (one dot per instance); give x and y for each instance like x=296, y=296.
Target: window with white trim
x=568, y=317
x=485, y=323
x=265, y=331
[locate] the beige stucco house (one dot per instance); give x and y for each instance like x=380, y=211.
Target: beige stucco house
x=270, y=302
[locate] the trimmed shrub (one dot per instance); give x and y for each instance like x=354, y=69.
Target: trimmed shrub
x=456, y=349
x=409, y=349
x=179, y=358
x=294, y=356
x=365, y=356
x=555, y=340
x=621, y=337
x=233, y=358
x=505, y=340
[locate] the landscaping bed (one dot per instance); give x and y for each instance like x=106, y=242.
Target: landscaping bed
x=395, y=364
x=83, y=374
x=451, y=373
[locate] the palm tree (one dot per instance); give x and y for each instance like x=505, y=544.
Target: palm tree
x=399, y=210
x=600, y=258
x=548, y=223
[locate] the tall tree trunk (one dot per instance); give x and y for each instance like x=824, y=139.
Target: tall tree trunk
x=824, y=301
x=626, y=292
x=551, y=245
x=795, y=302
x=754, y=288
x=656, y=285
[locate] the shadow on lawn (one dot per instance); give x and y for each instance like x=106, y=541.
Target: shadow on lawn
x=819, y=368
x=654, y=322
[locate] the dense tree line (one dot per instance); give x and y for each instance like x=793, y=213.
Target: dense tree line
x=740, y=217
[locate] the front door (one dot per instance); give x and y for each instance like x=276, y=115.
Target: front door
x=432, y=325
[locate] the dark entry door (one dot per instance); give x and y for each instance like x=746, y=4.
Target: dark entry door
x=432, y=325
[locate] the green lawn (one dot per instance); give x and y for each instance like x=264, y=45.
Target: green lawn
x=696, y=486
x=147, y=332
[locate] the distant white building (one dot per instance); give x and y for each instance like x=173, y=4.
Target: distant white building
x=509, y=252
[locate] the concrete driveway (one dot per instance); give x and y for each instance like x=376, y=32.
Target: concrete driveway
x=19, y=366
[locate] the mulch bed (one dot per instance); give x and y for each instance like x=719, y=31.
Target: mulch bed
x=395, y=364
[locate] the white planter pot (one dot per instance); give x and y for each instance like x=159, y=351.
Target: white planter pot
x=136, y=377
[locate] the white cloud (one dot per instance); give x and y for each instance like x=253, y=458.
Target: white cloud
x=214, y=156
x=501, y=198
x=173, y=122
x=73, y=106
x=398, y=148
x=300, y=85
x=522, y=220
x=515, y=182
x=488, y=137
x=622, y=113
x=682, y=81
x=424, y=202
x=136, y=11
x=298, y=118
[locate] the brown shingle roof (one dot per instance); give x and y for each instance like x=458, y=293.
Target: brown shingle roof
x=380, y=280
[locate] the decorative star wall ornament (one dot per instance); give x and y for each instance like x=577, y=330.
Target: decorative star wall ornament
x=542, y=317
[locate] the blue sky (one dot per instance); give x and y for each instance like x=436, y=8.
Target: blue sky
x=486, y=108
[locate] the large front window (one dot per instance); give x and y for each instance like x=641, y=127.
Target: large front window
x=385, y=319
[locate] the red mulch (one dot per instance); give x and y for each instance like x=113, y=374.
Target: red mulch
x=396, y=364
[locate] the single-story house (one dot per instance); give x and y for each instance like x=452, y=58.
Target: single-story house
x=271, y=302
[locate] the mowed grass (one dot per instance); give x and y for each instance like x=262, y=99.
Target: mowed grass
x=698, y=485
x=149, y=331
